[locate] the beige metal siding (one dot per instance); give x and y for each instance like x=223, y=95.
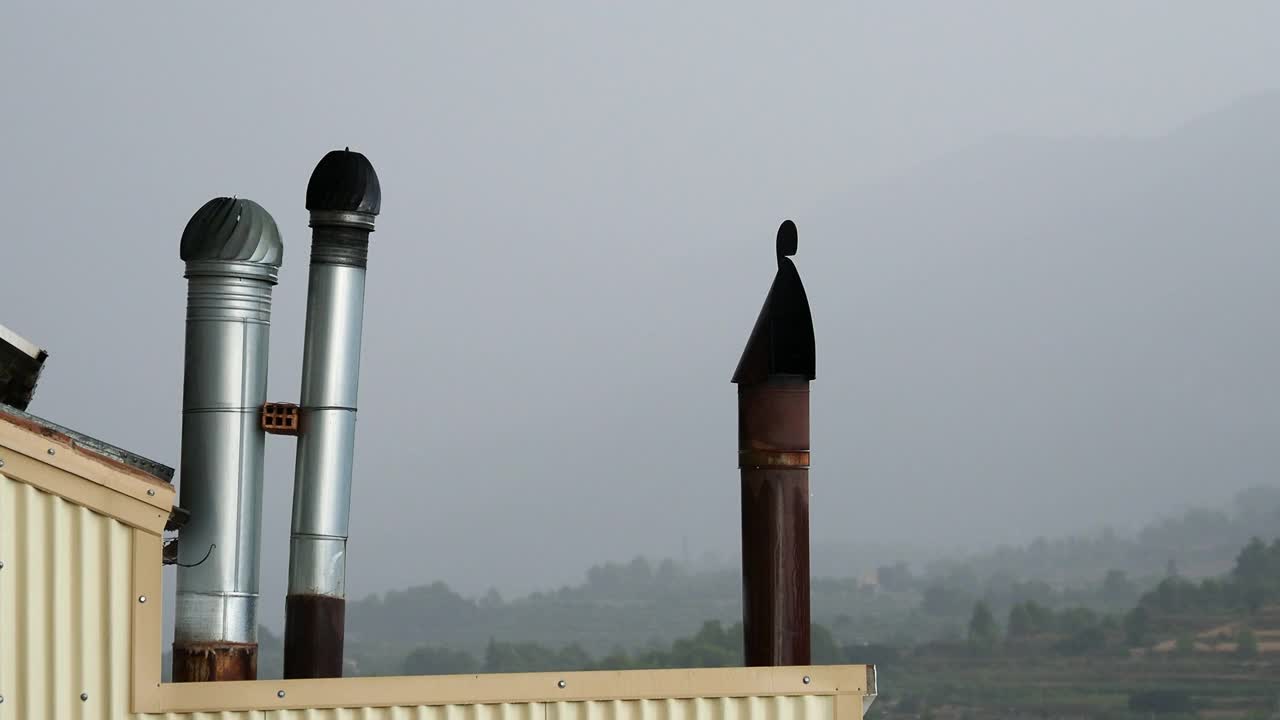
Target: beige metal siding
x=511, y=711
x=751, y=708
x=64, y=612
x=224, y=715
x=804, y=707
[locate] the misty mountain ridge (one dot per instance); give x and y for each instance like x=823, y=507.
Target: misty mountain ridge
x=1207, y=137
x=1065, y=327
x=1201, y=541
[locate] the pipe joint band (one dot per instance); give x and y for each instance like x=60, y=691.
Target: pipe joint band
x=317, y=565
x=341, y=218
x=227, y=617
x=242, y=270
x=340, y=246
x=773, y=459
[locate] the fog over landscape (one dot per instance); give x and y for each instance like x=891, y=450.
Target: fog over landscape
x=1042, y=279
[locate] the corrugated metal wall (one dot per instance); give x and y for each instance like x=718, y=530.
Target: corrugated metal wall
x=751, y=708
x=64, y=608
x=517, y=711
x=65, y=603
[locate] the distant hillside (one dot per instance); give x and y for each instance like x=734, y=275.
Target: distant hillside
x=1200, y=542
x=640, y=604
x=1073, y=331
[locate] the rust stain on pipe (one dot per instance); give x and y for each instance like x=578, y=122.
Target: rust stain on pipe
x=313, y=636
x=775, y=597
x=773, y=418
x=773, y=455
x=215, y=662
x=765, y=458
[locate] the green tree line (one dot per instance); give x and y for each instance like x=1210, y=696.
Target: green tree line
x=713, y=645
x=1253, y=583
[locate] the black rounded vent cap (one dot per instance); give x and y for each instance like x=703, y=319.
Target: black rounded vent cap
x=344, y=181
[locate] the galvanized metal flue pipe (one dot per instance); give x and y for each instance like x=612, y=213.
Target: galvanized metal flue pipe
x=232, y=251
x=343, y=197
x=773, y=457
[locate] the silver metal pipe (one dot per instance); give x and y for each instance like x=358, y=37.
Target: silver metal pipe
x=343, y=197
x=232, y=251
x=326, y=446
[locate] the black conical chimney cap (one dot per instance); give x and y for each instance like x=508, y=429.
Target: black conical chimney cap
x=781, y=342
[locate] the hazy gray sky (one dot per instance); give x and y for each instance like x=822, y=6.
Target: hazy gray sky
x=579, y=203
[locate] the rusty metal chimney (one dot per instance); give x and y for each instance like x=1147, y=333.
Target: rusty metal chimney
x=343, y=197
x=232, y=251
x=773, y=456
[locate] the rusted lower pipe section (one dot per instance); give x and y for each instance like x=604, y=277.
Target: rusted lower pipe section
x=773, y=457
x=214, y=662
x=314, y=649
